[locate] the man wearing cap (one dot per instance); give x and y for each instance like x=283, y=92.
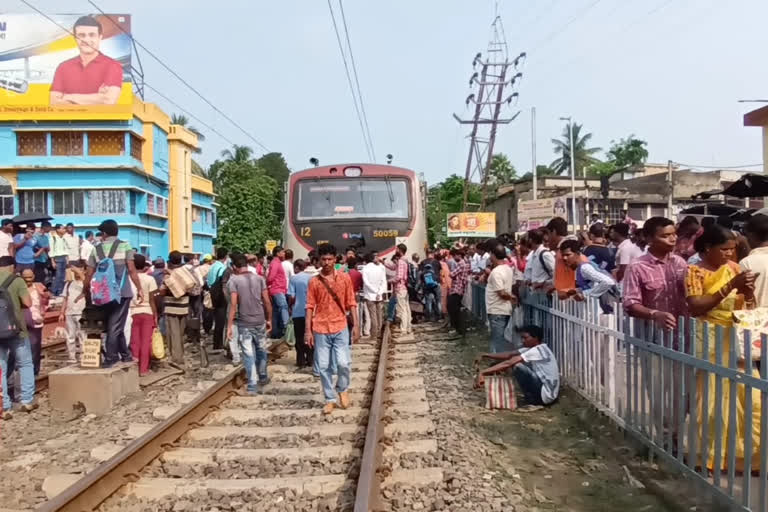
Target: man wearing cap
x=58, y=255
x=6, y=245
x=43, y=239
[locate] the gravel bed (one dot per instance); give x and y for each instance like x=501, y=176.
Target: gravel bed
x=46, y=441
x=285, y=500
x=283, y=441
x=268, y=468
x=297, y=421
x=505, y=460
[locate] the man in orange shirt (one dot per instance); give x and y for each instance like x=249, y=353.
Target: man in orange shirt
x=565, y=276
x=329, y=298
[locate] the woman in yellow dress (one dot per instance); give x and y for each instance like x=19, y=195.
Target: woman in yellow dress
x=715, y=287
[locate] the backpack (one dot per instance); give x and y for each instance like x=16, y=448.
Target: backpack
x=9, y=323
x=430, y=283
x=544, y=265
x=218, y=296
x=104, y=286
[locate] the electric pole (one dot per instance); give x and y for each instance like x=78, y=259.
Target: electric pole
x=491, y=80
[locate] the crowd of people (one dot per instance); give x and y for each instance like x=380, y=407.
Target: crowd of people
x=663, y=273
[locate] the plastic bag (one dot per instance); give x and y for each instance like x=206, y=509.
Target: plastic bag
x=158, y=345
x=290, y=335
x=511, y=333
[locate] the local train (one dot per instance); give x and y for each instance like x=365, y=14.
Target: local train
x=367, y=206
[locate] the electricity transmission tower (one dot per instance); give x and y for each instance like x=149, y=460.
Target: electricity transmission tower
x=490, y=80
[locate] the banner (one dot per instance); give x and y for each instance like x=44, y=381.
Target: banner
x=472, y=224
x=46, y=73
x=536, y=213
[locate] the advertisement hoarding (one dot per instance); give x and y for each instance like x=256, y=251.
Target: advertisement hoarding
x=536, y=213
x=471, y=224
x=47, y=73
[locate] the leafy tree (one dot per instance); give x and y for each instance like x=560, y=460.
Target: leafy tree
x=541, y=171
x=628, y=152
x=198, y=170
x=444, y=198
x=501, y=170
x=275, y=166
x=182, y=120
x=602, y=168
x=238, y=153
x=246, y=207
x=583, y=154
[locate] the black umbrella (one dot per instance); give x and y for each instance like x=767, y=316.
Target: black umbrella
x=25, y=218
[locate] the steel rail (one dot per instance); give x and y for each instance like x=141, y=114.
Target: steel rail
x=94, y=488
x=368, y=494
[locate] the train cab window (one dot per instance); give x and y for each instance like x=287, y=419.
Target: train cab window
x=352, y=198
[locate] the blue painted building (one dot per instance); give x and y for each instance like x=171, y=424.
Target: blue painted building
x=135, y=171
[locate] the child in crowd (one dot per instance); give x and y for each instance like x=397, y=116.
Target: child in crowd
x=534, y=367
x=144, y=316
x=35, y=315
x=72, y=311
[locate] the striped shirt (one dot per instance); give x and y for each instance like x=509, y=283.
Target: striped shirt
x=459, y=277
x=176, y=307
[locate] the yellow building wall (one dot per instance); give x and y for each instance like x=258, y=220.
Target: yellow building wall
x=202, y=184
x=181, y=144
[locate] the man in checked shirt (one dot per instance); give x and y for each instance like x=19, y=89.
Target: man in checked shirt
x=459, y=279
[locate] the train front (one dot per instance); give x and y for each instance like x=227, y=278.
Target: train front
x=370, y=207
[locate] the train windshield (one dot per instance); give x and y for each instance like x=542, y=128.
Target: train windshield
x=343, y=198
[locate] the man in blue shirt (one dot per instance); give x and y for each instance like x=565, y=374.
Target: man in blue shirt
x=43, y=246
x=26, y=245
x=297, y=297
x=219, y=309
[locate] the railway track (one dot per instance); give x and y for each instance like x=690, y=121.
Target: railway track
x=224, y=444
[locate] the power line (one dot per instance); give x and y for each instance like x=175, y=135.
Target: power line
x=178, y=77
x=567, y=24
x=357, y=82
x=349, y=81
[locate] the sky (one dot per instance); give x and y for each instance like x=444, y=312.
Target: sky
x=668, y=71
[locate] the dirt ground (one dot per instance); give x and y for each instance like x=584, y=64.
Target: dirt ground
x=565, y=457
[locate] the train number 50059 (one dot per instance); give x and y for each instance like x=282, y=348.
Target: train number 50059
x=385, y=233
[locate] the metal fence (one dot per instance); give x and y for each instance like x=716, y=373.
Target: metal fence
x=696, y=396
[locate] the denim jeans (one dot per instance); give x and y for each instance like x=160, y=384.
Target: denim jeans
x=279, y=315
x=432, y=307
x=529, y=384
x=59, y=275
x=253, y=348
x=391, y=308
x=332, y=350
x=497, y=324
x=22, y=351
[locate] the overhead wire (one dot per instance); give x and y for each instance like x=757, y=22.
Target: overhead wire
x=552, y=35
x=357, y=81
x=349, y=81
x=724, y=167
x=179, y=78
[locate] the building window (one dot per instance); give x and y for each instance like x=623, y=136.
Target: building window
x=106, y=201
x=106, y=143
x=213, y=219
x=136, y=144
x=195, y=214
x=132, y=200
x=150, y=203
x=33, y=201
x=66, y=143
x=31, y=143
x=161, y=206
x=68, y=202
x=6, y=197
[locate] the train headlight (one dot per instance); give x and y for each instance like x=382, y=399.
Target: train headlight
x=353, y=172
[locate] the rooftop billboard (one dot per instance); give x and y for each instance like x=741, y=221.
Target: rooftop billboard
x=47, y=73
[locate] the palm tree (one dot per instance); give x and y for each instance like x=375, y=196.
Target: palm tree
x=182, y=120
x=583, y=154
x=238, y=154
x=501, y=170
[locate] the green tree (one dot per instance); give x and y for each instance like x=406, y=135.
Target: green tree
x=583, y=153
x=501, y=171
x=246, y=206
x=541, y=171
x=198, y=169
x=444, y=198
x=238, y=153
x=182, y=120
x=275, y=166
x=628, y=152
x=602, y=168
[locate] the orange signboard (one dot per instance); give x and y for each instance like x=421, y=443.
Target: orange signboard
x=471, y=224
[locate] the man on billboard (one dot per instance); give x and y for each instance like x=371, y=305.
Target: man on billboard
x=91, y=78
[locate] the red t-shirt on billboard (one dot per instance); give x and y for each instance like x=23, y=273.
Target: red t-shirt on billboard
x=72, y=77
